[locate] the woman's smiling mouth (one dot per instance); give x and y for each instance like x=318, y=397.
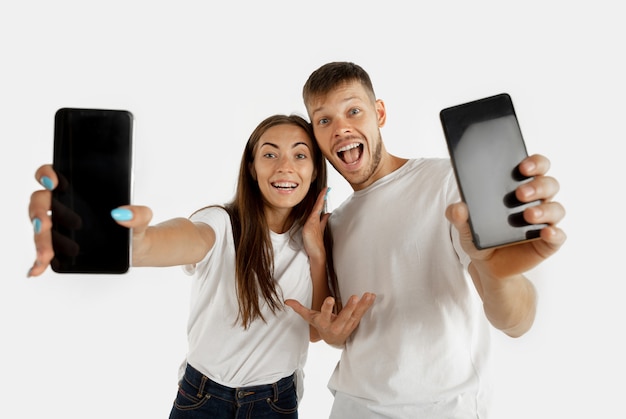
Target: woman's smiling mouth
x=285, y=186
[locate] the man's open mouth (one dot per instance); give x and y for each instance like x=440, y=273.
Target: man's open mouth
x=350, y=153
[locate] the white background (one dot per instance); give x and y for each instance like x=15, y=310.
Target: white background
x=198, y=76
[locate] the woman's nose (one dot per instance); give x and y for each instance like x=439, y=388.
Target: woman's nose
x=285, y=164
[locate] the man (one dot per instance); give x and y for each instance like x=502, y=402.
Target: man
x=403, y=238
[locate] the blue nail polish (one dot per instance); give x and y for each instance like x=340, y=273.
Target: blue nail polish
x=46, y=182
x=37, y=225
x=326, y=194
x=122, y=214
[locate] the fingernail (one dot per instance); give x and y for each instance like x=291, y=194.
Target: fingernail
x=37, y=225
x=46, y=182
x=122, y=214
x=326, y=194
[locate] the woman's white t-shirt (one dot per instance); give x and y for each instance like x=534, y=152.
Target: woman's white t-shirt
x=219, y=346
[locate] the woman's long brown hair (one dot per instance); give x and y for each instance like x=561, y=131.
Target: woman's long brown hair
x=254, y=268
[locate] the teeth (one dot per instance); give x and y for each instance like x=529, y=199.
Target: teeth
x=350, y=153
x=284, y=185
x=348, y=147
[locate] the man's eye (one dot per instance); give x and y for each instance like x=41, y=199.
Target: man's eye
x=355, y=111
x=323, y=121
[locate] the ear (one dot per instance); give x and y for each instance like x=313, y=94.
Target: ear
x=382, y=112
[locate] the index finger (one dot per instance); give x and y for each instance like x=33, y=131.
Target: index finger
x=535, y=165
x=351, y=314
x=46, y=176
x=320, y=203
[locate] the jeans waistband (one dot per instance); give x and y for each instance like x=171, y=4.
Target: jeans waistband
x=205, y=385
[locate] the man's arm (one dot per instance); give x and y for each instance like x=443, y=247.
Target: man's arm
x=509, y=298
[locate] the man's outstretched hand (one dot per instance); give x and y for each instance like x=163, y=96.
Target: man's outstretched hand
x=334, y=329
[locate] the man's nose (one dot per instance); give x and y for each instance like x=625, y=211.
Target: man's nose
x=341, y=127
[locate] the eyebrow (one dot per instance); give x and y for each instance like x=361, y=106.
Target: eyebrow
x=267, y=143
x=344, y=100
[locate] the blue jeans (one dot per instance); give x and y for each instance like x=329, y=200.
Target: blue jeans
x=201, y=398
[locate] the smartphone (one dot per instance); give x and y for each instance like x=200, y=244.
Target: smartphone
x=485, y=144
x=93, y=160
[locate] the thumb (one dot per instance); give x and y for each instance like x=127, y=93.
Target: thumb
x=133, y=216
x=458, y=215
x=304, y=312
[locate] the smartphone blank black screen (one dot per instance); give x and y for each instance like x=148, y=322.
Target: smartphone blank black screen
x=93, y=159
x=486, y=146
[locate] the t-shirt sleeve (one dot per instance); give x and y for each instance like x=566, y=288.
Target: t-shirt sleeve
x=218, y=219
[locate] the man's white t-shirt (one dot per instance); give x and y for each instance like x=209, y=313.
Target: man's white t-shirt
x=421, y=351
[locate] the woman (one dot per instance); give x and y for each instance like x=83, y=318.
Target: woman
x=246, y=351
